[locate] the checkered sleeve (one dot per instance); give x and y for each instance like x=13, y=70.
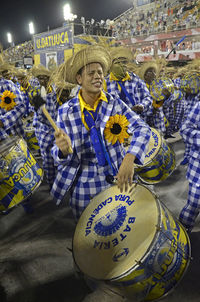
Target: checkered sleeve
x=140, y=131
x=190, y=129
x=10, y=118
x=62, y=124
x=142, y=94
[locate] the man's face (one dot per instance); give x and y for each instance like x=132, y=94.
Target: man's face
x=5, y=74
x=150, y=75
x=91, y=78
x=119, y=67
x=43, y=79
x=64, y=95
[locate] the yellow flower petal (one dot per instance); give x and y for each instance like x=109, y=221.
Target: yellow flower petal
x=122, y=121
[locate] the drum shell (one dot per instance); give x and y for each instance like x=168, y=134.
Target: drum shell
x=20, y=174
x=158, y=270
x=163, y=266
x=30, y=137
x=159, y=167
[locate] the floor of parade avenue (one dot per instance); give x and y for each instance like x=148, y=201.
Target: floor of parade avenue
x=35, y=256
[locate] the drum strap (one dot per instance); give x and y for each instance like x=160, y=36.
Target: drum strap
x=97, y=142
x=125, y=92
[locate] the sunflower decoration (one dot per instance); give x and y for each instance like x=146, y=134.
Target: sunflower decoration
x=7, y=100
x=116, y=129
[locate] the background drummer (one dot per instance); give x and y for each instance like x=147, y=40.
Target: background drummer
x=12, y=108
x=44, y=131
x=130, y=87
x=95, y=125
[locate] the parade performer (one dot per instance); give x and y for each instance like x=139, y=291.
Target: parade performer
x=171, y=102
x=12, y=108
x=44, y=131
x=130, y=88
x=190, y=86
x=190, y=132
x=95, y=125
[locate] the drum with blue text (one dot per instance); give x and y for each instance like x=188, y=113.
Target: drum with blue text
x=131, y=243
x=20, y=173
x=159, y=160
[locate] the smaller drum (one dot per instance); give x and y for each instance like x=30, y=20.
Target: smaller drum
x=20, y=174
x=30, y=137
x=159, y=160
x=130, y=243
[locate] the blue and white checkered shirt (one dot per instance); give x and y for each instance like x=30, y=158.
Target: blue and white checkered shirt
x=174, y=110
x=82, y=165
x=137, y=90
x=190, y=131
x=44, y=133
x=11, y=120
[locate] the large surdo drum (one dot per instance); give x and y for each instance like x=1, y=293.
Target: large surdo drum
x=131, y=242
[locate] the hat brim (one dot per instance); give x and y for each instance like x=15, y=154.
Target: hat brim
x=88, y=55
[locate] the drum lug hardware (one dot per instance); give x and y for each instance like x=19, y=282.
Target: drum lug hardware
x=158, y=228
x=138, y=262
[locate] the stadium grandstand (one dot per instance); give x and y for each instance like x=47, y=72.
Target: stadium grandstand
x=150, y=27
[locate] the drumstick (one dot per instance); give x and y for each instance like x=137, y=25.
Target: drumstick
x=39, y=102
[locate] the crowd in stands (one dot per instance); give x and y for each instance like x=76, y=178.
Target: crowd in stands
x=162, y=17
x=18, y=52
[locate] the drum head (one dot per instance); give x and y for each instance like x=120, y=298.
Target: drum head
x=154, y=146
x=7, y=143
x=115, y=231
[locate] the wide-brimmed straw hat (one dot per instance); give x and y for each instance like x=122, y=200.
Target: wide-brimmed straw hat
x=4, y=65
x=87, y=55
x=147, y=65
x=40, y=69
x=121, y=52
x=20, y=72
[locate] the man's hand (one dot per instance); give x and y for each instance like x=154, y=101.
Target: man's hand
x=1, y=124
x=126, y=172
x=63, y=142
x=138, y=108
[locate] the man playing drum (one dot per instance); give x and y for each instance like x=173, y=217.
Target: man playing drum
x=95, y=125
x=130, y=88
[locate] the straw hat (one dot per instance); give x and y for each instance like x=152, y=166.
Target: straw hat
x=147, y=65
x=1, y=59
x=64, y=85
x=20, y=72
x=87, y=55
x=5, y=65
x=38, y=70
x=121, y=52
x=194, y=64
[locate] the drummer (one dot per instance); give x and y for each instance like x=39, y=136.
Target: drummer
x=12, y=108
x=44, y=131
x=190, y=131
x=190, y=86
x=171, y=101
x=94, y=124
x=130, y=88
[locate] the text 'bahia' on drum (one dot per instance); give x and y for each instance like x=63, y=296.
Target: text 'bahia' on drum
x=131, y=243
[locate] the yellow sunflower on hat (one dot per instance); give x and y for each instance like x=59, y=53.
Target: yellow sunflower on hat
x=116, y=129
x=7, y=100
